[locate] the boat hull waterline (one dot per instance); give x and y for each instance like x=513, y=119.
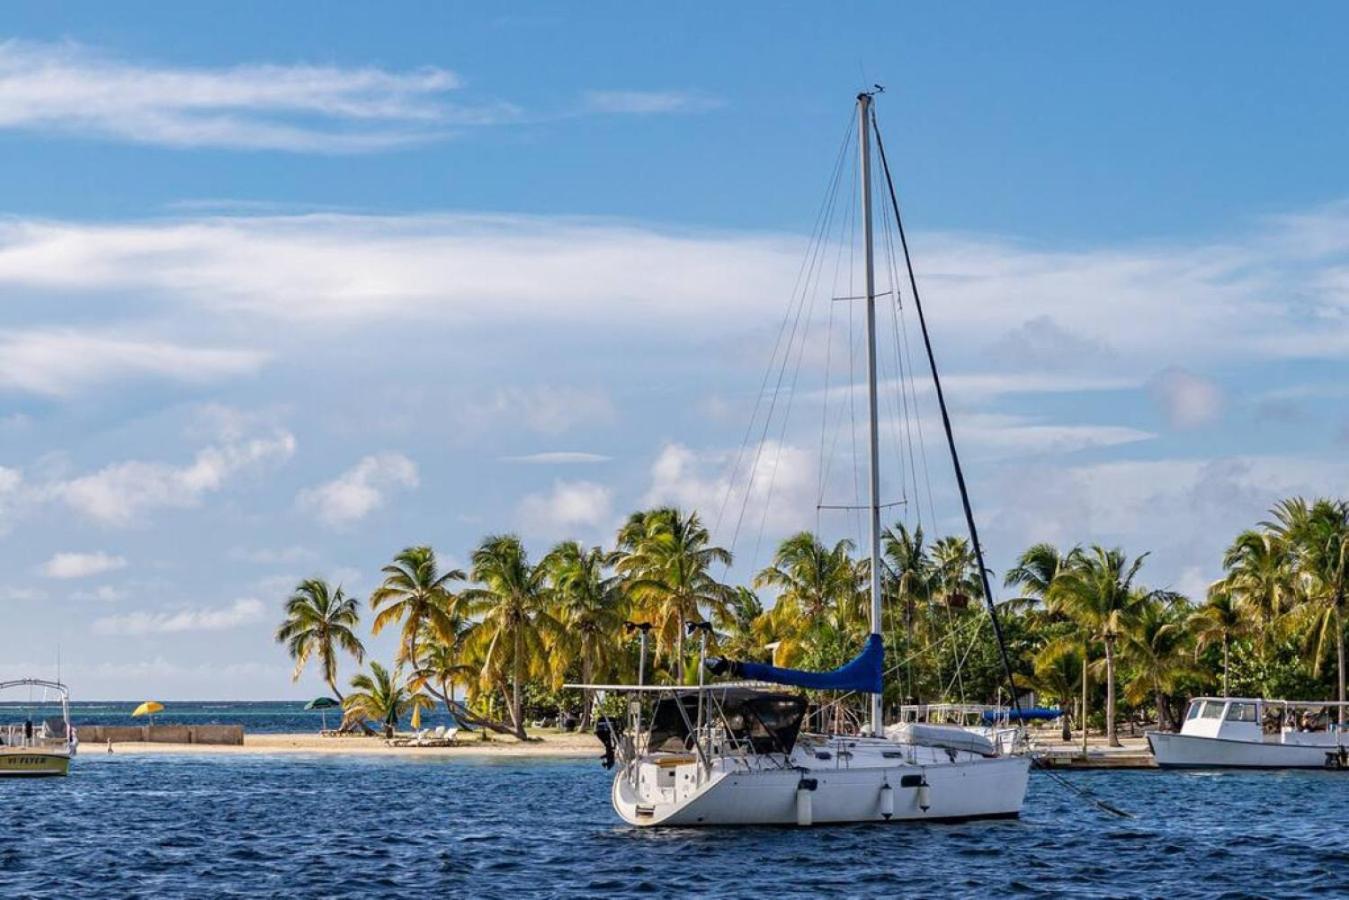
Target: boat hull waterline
x=980, y=789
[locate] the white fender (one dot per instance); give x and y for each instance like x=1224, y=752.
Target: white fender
x=887, y=801
x=803, y=812
x=924, y=797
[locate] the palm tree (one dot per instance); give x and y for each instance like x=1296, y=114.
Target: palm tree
x=1317, y=538
x=512, y=609
x=1058, y=669
x=668, y=570
x=591, y=608
x=378, y=697
x=910, y=581
x=319, y=622
x=1220, y=620
x=814, y=583
x=740, y=626
x=1259, y=577
x=1034, y=573
x=1096, y=589
x=416, y=593
x=1158, y=649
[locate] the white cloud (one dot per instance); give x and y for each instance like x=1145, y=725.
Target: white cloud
x=773, y=494
x=360, y=490
x=1183, y=510
x=569, y=506
x=82, y=565
x=240, y=612
x=1187, y=400
x=558, y=457
x=71, y=89
x=122, y=493
x=648, y=102
x=60, y=363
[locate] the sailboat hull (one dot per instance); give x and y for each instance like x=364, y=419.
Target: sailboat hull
x=974, y=789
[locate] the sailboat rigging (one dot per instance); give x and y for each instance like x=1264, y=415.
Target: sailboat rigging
x=735, y=753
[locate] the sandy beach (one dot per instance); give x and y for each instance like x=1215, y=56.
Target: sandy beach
x=550, y=744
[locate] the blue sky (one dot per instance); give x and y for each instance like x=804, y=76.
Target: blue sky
x=286, y=289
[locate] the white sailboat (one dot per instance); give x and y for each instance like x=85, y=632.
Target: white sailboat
x=1254, y=733
x=734, y=753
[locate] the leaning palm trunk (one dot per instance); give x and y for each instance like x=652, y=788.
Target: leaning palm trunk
x=1111, y=738
x=1163, y=719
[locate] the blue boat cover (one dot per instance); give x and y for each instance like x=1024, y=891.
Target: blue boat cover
x=1027, y=714
x=863, y=673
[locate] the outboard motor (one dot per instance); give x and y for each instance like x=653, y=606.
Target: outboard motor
x=607, y=731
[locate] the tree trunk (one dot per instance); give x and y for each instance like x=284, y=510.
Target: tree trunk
x=1111, y=738
x=1225, y=659
x=1084, y=698
x=679, y=649
x=1163, y=720
x=1067, y=722
x=1339, y=649
x=587, y=699
x=517, y=713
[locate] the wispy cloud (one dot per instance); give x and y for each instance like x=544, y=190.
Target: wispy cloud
x=648, y=102
x=70, y=88
x=360, y=490
x=82, y=565
x=241, y=612
x=558, y=457
x=62, y=363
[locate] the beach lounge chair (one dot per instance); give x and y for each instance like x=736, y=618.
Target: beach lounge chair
x=449, y=735
x=439, y=733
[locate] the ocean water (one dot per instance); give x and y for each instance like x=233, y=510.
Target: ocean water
x=257, y=717
x=228, y=826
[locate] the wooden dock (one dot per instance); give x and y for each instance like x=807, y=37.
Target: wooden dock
x=1134, y=754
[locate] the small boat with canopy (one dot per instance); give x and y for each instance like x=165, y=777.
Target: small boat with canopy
x=36, y=738
x=738, y=752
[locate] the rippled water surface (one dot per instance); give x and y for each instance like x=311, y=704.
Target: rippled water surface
x=207, y=826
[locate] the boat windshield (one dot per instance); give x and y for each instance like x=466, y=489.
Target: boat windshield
x=769, y=723
x=1241, y=712
x=1213, y=709
x=1195, y=707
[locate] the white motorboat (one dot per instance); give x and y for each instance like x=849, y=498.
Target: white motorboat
x=1254, y=733
x=34, y=745
x=734, y=754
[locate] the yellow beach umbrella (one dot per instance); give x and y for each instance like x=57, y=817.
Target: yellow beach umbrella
x=416, y=717
x=148, y=708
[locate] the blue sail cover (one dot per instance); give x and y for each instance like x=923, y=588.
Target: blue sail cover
x=863, y=673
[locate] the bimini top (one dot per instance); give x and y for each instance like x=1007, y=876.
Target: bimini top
x=769, y=723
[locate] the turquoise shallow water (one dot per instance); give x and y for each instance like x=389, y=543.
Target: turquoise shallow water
x=218, y=826
x=257, y=717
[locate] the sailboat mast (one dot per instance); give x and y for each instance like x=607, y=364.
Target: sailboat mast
x=874, y=502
